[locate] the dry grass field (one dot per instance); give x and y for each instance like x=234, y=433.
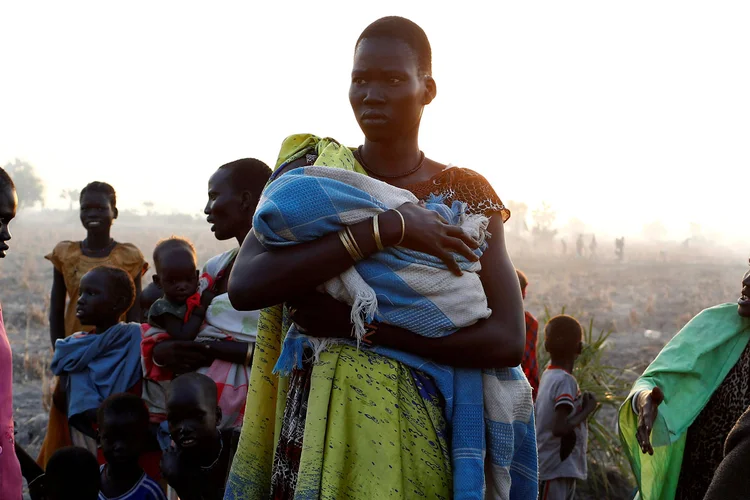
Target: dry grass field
x=643, y=300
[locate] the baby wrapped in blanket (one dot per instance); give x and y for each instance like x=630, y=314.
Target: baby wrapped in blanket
x=489, y=412
x=398, y=286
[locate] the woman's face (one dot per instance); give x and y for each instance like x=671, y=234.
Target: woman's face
x=387, y=91
x=743, y=305
x=8, y=205
x=225, y=209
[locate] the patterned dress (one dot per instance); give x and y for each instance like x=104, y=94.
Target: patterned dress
x=704, y=446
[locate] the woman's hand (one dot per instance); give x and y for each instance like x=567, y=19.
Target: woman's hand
x=320, y=315
x=207, y=297
x=426, y=231
x=648, y=408
x=183, y=356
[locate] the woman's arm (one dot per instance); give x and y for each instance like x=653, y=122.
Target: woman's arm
x=233, y=352
x=262, y=278
x=495, y=342
x=57, y=307
x=182, y=356
x=134, y=314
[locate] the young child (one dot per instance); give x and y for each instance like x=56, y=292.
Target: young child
x=123, y=430
x=72, y=474
x=197, y=464
x=529, y=364
x=561, y=413
x=180, y=311
x=73, y=259
x=102, y=362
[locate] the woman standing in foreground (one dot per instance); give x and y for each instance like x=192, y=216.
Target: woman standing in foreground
x=11, y=483
x=359, y=424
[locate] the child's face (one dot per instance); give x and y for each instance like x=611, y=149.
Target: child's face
x=192, y=418
x=96, y=300
x=177, y=275
x=97, y=212
x=122, y=438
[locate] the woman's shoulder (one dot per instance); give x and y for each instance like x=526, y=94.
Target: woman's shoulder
x=129, y=257
x=64, y=252
x=466, y=185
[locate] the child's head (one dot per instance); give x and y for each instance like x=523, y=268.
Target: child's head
x=176, y=266
x=563, y=337
x=98, y=206
x=523, y=281
x=8, y=206
x=106, y=292
x=72, y=474
x=192, y=412
x=150, y=294
x=233, y=194
x=123, y=428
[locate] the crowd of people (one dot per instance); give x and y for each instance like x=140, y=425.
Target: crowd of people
x=366, y=338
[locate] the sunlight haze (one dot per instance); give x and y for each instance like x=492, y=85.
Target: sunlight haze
x=618, y=114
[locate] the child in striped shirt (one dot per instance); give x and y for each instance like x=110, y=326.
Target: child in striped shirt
x=561, y=413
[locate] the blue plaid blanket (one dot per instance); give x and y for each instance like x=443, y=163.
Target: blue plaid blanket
x=398, y=286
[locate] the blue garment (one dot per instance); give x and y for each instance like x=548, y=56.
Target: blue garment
x=98, y=365
x=145, y=489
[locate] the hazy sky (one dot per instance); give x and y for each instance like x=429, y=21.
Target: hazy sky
x=616, y=112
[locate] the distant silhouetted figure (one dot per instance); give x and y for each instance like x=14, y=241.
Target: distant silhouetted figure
x=564, y=247
x=620, y=248
x=579, y=245
x=592, y=247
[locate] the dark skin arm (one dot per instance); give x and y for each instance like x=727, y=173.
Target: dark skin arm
x=182, y=356
x=32, y=473
x=57, y=307
x=495, y=342
x=29, y=468
x=134, y=314
x=565, y=424
x=60, y=396
x=180, y=330
x=233, y=352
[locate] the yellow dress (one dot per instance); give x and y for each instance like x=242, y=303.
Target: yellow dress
x=69, y=260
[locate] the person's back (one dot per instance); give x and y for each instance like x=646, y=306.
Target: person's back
x=561, y=413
